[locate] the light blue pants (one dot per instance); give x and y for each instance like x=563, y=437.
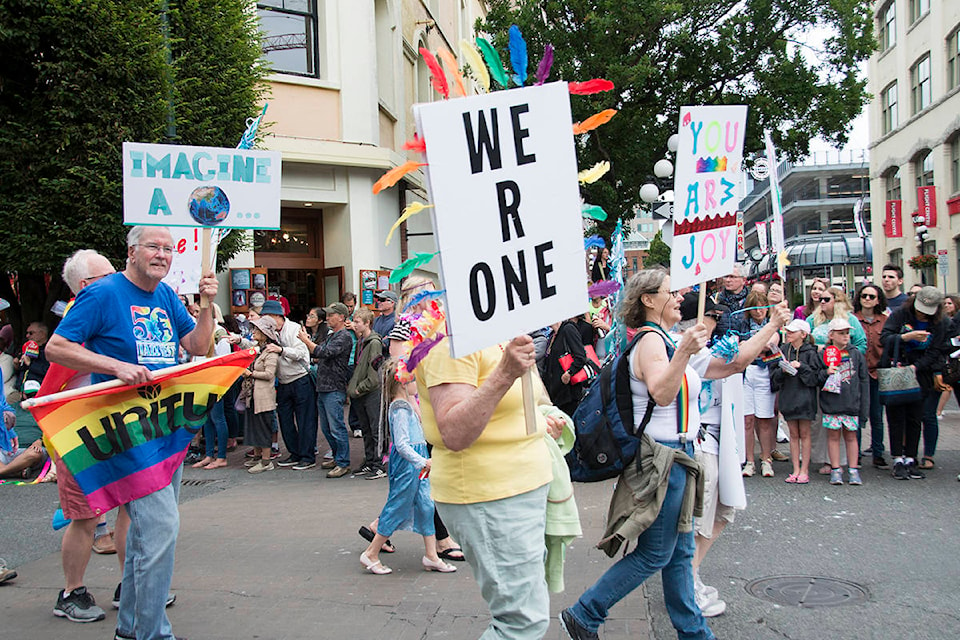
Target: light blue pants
x=148, y=568
x=503, y=542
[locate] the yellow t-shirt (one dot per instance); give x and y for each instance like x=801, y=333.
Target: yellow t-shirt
x=504, y=461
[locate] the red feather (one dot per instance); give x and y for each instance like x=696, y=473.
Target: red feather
x=418, y=144
x=437, y=76
x=590, y=86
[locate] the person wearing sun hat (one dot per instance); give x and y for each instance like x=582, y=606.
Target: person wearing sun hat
x=920, y=331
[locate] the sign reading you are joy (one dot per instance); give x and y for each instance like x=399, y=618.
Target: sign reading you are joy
x=707, y=187
x=503, y=180
x=181, y=186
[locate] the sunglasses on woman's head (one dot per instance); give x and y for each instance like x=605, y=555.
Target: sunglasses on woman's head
x=868, y=296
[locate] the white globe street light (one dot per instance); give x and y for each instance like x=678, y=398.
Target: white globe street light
x=649, y=192
x=673, y=143
x=663, y=168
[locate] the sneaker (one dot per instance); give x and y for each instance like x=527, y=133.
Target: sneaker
x=6, y=574
x=766, y=469
x=171, y=598
x=338, y=472
x=748, y=470
x=250, y=454
x=778, y=456
x=836, y=476
x=914, y=473
x=357, y=433
x=574, y=629
x=855, y=476
x=105, y=544
x=328, y=464
x=289, y=461
x=274, y=454
x=303, y=465
x=78, y=606
x=378, y=474
x=260, y=467
x=710, y=608
x=880, y=463
x=708, y=592
x=364, y=470
x=900, y=471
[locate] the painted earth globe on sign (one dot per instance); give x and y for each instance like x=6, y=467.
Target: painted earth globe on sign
x=209, y=206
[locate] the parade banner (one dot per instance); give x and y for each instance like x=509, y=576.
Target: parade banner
x=122, y=442
x=776, y=225
x=927, y=205
x=732, y=453
x=893, y=223
x=172, y=185
x=762, y=236
x=507, y=217
x=708, y=185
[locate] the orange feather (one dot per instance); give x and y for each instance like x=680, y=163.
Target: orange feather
x=451, y=64
x=391, y=177
x=594, y=121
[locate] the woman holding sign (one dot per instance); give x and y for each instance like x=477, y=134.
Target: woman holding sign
x=669, y=373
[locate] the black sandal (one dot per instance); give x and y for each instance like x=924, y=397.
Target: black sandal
x=453, y=553
x=367, y=534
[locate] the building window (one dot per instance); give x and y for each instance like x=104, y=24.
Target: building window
x=290, y=36
x=385, y=30
x=920, y=91
x=953, y=59
x=888, y=107
x=896, y=257
x=892, y=184
x=424, y=88
x=887, y=26
x=918, y=9
x=955, y=164
x=923, y=169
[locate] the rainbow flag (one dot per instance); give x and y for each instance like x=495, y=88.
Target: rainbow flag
x=122, y=442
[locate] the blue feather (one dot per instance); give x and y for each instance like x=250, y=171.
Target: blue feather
x=518, y=56
x=593, y=241
x=423, y=296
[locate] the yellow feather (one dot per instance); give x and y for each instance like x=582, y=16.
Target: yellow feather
x=451, y=64
x=594, y=173
x=411, y=210
x=473, y=58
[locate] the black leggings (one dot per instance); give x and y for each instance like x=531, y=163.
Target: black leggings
x=442, y=533
x=904, y=425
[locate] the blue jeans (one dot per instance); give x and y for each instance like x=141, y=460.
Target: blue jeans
x=297, y=412
x=931, y=425
x=215, y=428
x=330, y=408
x=659, y=548
x=876, y=419
x=230, y=409
x=148, y=568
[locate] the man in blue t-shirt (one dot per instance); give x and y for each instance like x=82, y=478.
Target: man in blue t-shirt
x=126, y=326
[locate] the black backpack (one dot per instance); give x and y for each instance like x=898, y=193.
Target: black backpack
x=607, y=440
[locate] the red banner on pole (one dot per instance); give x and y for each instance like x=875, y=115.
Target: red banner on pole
x=893, y=223
x=927, y=205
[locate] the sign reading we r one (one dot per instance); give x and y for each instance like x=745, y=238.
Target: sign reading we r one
x=503, y=180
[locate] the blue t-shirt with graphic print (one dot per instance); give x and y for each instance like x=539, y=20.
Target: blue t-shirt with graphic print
x=114, y=317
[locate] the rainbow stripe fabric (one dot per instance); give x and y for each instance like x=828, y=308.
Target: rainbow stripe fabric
x=683, y=406
x=125, y=442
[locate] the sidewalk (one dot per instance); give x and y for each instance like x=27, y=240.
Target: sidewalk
x=277, y=556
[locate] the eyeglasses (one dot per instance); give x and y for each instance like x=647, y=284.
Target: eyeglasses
x=157, y=248
x=826, y=299
x=94, y=278
x=867, y=296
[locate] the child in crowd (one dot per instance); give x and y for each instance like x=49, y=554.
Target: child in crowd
x=409, y=505
x=758, y=399
x=843, y=406
x=262, y=401
x=798, y=394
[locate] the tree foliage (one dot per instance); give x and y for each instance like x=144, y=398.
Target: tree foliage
x=658, y=253
x=664, y=54
x=80, y=78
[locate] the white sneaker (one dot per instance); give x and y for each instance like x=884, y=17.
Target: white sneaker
x=748, y=470
x=766, y=469
x=709, y=608
x=708, y=593
x=260, y=467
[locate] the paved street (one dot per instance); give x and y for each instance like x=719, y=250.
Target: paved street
x=276, y=556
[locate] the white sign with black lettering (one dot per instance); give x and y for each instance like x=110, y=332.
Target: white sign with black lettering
x=502, y=170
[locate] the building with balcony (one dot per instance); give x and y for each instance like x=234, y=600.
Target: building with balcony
x=345, y=75
x=914, y=121
x=819, y=196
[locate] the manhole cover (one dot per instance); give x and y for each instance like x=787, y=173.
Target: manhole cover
x=197, y=483
x=807, y=591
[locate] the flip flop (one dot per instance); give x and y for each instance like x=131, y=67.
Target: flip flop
x=453, y=553
x=926, y=463
x=367, y=534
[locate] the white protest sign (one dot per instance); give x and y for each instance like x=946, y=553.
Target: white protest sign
x=185, y=268
x=503, y=182
x=171, y=185
x=708, y=184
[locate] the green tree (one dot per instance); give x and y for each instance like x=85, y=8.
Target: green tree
x=664, y=54
x=658, y=253
x=80, y=78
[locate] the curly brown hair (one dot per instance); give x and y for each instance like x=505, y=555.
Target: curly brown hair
x=632, y=311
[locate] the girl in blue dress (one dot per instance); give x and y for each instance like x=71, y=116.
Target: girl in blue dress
x=409, y=506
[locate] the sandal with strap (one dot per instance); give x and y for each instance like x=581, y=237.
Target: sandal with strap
x=926, y=463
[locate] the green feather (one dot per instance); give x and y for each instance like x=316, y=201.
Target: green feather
x=409, y=266
x=594, y=212
x=493, y=61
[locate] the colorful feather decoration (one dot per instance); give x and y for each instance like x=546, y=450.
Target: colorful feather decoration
x=543, y=69
x=594, y=121
x=590, y=86
x=451, y=64
x=603, y=289
x=421, y=350
x=594, y=173
x=418, y=144
x=437, y=76
x=493, y=61
x=409, y=266
x=391, y=177
x=518, y=56
x=423, y=295
x=593, y=212
x=411, y=210
x=475, y=62
x=593, y=241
